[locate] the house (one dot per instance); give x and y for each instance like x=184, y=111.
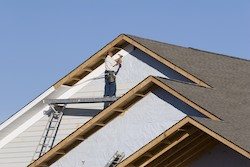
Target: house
x=177, y=106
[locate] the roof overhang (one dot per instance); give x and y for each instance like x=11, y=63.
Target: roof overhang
x=118, y=107
x=178, y=146
x=98, y=58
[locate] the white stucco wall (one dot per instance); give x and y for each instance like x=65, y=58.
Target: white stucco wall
x=127, y=133
x=221, y=156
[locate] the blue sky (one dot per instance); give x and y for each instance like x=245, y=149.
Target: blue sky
x=41, y=41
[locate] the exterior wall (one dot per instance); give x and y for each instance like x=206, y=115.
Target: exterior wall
x=19, y=150
x=136, y=66
x=220, y=156
x=127, y=133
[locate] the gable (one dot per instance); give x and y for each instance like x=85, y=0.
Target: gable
x=120, y=42
x=137, y=126
x=103, y=118
x=80, y=73
x=181, y=144
x=136, y=66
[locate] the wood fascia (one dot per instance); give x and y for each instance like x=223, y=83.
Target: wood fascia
x=98, y=56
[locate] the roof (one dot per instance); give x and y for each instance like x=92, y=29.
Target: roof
x=229, y=95
x=234, y=124
x=220, y=72
x=220, y=89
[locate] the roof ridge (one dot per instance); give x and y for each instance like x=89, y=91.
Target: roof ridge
x=195, y=49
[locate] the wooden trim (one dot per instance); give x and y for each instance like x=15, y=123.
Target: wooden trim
x=191, y=150
x=43, y=165
x=80, y=138
x=190, y=157
x=119, y=110
x=220, y=138
x=90, y=127
x=179, y=148
x=184, y=99
x=171, y=145
x=61, y=152
x=99, y=124
x=166, y=62
x=88, y=65
x=140, y=95
x=115, y=109
x=129, y=161
x=107, y=115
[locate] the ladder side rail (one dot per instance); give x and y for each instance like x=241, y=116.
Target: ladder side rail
x=41, y=139
x=57, y=128
x=115, y=159
x=46, y=134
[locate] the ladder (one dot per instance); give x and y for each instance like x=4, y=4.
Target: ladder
x=49, y=134
x=115, y=160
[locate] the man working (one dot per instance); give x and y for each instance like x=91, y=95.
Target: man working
x=112, y=66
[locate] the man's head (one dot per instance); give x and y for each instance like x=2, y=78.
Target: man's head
x=110, y=53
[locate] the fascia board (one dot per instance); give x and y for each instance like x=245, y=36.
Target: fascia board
x=26, y=108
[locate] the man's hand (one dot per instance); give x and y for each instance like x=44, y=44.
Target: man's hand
x=119, y=60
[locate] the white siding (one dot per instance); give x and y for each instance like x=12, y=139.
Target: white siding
x=19, y=151
x=220, y=156
x=127, y=133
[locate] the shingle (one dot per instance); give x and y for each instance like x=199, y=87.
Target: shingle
x=229, y=77
x=233, y=126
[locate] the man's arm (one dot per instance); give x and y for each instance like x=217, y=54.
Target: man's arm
x=118, y=60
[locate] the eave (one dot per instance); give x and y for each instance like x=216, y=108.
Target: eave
x=181, y=146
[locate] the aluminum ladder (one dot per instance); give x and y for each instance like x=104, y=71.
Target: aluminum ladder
x=49, y=134
x=115, y=160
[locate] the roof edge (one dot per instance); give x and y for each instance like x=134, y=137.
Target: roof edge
x=136, y=155
x=99, y=55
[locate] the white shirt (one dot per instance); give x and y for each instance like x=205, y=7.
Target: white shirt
x=110, y=64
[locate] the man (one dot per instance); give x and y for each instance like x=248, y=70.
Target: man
x=112, y=67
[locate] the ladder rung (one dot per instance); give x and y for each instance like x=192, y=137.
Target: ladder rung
x=44, y=145
x=48, y=136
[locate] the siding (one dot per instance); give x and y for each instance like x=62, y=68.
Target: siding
x=19, y=152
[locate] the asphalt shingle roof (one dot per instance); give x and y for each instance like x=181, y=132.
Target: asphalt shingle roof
x=234, y=125
x=229, y=77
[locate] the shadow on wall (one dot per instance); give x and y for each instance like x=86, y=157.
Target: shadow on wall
x=183, y=107
x=76, y=112
x=80, y=112
x=158, y=66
